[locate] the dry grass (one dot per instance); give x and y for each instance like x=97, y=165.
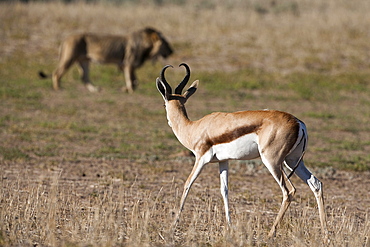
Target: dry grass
x=54, y=210
x=80, y=169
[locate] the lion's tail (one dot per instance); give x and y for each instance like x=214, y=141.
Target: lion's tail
x=42, y=75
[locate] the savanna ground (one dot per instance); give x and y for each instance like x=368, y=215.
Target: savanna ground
x=83, y=169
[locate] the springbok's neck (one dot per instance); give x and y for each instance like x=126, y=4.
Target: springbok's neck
x=179, y=122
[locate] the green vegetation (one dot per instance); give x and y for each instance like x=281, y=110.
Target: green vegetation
x=12, y=153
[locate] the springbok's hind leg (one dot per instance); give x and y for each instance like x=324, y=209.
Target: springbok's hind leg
x=288, y=195
x=317, y=188
x=274, y=165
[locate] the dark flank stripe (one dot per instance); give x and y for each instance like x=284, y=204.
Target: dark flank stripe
x=229, y=136
x=235, y=134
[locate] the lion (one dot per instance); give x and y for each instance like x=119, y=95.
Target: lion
x=128, y=52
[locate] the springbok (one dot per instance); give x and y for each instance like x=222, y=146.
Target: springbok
x=277, y=137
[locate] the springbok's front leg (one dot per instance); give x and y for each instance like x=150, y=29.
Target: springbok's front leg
x=197, y=168
x=224, y=170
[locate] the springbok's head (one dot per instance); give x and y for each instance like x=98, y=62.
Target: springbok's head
x=166, y=91
x=175, y=102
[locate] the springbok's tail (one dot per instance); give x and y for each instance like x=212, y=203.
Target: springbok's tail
x=302, y=139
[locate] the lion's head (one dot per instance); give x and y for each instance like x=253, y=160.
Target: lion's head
x=160, y=46
x=145, y=44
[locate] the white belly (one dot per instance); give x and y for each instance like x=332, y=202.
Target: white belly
x=243, y=148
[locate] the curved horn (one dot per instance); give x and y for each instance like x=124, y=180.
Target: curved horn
x=182, y=84
x=163, y=79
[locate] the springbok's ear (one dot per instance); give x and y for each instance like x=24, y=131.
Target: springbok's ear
x=161, y=88
x=191, y=89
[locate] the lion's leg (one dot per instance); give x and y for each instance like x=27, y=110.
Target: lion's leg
x=62, y=68
x=130, y=79
x=84, y=64
x=66, y=59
